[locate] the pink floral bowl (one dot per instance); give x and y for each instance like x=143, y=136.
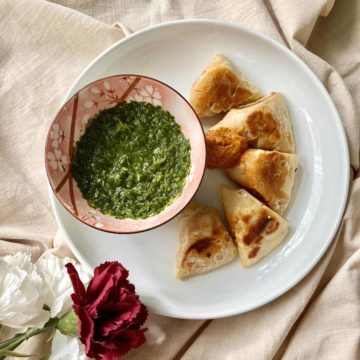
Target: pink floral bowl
x=70, y=123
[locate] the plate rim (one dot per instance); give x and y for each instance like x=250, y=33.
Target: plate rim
x=342, y=141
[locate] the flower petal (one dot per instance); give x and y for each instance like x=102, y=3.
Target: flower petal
x=53, y=270
x=98, y=290
x=67, y=348
x=78, y=286
x=131, y=310
x=129, y=339
x=86, y=329
x=114, y=268
x=22, y=293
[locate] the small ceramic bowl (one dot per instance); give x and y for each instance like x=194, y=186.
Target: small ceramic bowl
x=70, y=123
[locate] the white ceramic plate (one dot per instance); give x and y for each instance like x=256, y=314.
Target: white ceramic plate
x=177, y=53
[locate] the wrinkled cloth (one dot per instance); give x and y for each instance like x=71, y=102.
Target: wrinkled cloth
x=43, y=48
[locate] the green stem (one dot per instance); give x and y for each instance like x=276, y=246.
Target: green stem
x=12, y=344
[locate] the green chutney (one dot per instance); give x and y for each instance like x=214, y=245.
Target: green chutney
x=132, y=160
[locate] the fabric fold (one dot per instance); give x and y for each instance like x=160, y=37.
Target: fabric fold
x=298, y=18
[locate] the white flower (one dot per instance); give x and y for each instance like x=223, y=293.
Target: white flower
x=53, y=270
x=67, y=348
x=149, y=94
x=22, y=293
x=26, y=287
x=57, y=135
x=57, y=160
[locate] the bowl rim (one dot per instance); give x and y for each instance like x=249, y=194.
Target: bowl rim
x=63, y=104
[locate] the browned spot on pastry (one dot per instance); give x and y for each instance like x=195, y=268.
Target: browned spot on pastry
x=201, y=245
x=264, y=130
x=246, y=218
x=257, y=195
x=273, y=172
x=220, y=90
x=224, y=147
x=258, y=225
x=210, y=245
x=253, y=252
x=204, y=248
x=272, y=227
x=250, y=190
x=267, y=179
x=224, y=92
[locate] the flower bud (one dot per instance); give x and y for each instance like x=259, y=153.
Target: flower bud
x=68, y=324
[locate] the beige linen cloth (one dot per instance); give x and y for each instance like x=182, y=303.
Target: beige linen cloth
x=43, y=48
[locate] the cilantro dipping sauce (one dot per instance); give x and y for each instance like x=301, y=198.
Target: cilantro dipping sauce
x=132, y=161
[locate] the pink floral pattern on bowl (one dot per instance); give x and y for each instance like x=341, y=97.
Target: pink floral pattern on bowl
x=70, y=123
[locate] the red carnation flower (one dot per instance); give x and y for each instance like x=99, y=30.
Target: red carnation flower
x=110, y=314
